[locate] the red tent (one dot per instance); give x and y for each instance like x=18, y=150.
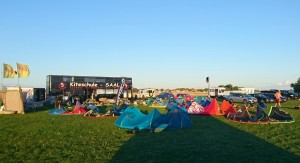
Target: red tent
x=227, y=108
x=79, y=109
x=212, y=109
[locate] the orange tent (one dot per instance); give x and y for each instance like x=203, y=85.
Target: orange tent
x=227, y=108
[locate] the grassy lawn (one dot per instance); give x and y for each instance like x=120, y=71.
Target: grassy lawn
x=40, y=137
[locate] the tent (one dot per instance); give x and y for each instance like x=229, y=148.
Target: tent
x=157, y=102
x=275, y=115
x=134, y=118
x=56, y=111
x=279, y=116
x=204, y=102
x=195, y=108
x=177, y=118
x=260, y=116
x=212, y=109
x=227, y=107
x=79, y=109
x=131, y=119
x=93, y=111
x=171, y=105
x=242, y=115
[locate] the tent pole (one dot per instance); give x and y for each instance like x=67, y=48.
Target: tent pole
x=18, y=75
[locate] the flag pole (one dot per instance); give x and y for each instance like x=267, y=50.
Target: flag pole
x=2, y=76
x=18, y=75
x=18, y=81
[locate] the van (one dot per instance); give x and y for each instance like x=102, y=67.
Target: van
x=146, y=93
x=216, y=92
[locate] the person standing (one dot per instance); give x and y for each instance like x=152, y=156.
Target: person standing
x=277, y=98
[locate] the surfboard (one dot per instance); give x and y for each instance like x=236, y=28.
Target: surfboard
x=161, y=127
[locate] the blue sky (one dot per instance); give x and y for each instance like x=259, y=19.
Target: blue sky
x=159, y=43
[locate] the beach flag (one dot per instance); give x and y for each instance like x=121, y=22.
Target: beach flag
x=23, y=70
x=8, y=71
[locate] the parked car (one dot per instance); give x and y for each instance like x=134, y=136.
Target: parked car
x=262, y=98
x=165, y=95
x=186, y=96
x=271, y=95
x=297, y=95
x=240, y=97
x=273, y=91
x=283, y=98
x=289, y=94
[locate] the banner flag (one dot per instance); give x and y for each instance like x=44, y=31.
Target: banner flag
x=23, y=70
x=120, y=91
x=8, y=71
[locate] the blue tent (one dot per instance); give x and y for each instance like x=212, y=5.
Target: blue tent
x=133, y=119
x=178, y=118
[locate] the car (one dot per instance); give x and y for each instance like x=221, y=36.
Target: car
x=241, y=97
x=186, y=96
x=273, y=91
x=271, y=95
x=297, y=95
x=262, y=98
x=283, y=98
x=289, y=94
x=165, y=95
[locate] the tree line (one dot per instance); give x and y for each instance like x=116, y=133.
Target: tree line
x=228, y=87
x=296, y=86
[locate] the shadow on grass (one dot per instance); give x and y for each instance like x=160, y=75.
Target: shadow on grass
x=294, y=108
x=209, y=139
x=103, y=109
x=33, y=110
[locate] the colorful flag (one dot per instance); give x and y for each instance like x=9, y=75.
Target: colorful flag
x=8, y=71
x=23, y=70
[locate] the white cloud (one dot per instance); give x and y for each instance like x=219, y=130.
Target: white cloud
x=287, y=82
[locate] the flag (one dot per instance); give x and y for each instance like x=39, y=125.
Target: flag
x=23, y=70
x=8, y=71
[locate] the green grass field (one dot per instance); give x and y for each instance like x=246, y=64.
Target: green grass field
x=40, y=137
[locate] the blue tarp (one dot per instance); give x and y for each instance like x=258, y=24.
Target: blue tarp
x=57, y=111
